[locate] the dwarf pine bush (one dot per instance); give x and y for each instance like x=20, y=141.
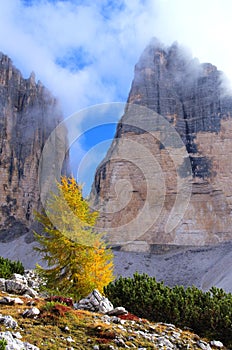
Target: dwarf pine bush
x=3, y=344
x=8, y=267
x=209, y=314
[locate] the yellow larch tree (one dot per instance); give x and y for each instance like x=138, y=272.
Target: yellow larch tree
x=76, y=256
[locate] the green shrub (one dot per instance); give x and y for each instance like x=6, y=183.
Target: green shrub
x=8, y=267
x=3, y=344
x=209, y=314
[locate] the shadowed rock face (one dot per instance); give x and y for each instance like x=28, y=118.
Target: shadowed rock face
x=28, y=114
x=191, y=97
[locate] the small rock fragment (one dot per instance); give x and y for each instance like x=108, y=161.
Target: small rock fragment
x=70, y=339
x=117, y=311
x=17, y=335
x=217, y=343
x=33, y=312
x=8, y=321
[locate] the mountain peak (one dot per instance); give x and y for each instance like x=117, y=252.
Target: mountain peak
x=172, y=86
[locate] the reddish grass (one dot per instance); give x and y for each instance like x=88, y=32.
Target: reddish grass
x=129, y=316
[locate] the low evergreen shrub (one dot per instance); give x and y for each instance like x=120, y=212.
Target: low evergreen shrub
x=209, y=314
x=8, y=267
x=3, y=344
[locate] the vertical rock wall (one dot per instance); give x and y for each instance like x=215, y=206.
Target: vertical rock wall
x=28, y=114
x=191, y=97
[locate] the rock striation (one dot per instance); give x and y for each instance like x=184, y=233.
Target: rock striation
x=28, y=114
x=146, y=165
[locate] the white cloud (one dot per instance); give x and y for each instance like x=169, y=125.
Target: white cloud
x=108, y=37
x=112, y=35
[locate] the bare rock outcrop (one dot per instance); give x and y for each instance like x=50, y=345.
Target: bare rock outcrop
x=28, y=114
x=138, y=183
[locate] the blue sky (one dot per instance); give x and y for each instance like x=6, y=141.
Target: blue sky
x=85, y=51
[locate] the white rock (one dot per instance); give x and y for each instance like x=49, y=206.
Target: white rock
x=203, y=345
x=2, y=284
x=118, y=311
x=15, y=287
x=17, y=335
x=34, y=311
x=31, y=292
x=8, y=321
x=19, y=278
x=7, y=300
x=105, y=306
x=18, y=285
x=27, y=296
x=70, y=339
x=96, y=294
x=16, y=344
x=216, y=343
x=94, y=302
x=18, y=301
x=11, y=301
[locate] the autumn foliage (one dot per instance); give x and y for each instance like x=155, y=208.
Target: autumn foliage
x=77, y=257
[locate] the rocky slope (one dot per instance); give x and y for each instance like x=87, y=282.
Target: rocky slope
x=178, y=122
x=28, y=114
x=203, y=267
x=32, y=322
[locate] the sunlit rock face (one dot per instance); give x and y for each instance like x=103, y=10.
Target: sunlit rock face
x=28, y=114
x=140, y=186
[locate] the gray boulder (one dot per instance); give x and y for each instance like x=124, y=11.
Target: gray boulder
x=95, y=302
x=11, y=301
x=120, y=310
x=8, y=321
x=32, y=312
x=98, y=303
x=19, y=284
x=15, y=343
x=15, y=287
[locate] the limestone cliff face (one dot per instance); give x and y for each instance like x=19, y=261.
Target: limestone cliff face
x=28, y=114
x=191, y=97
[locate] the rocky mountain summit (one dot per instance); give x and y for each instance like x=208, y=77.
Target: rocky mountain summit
x=33, y=322
x=28, y=114
x=167, y=176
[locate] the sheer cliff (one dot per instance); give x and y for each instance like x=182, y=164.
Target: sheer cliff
x=28, y=114
x=170, y=85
